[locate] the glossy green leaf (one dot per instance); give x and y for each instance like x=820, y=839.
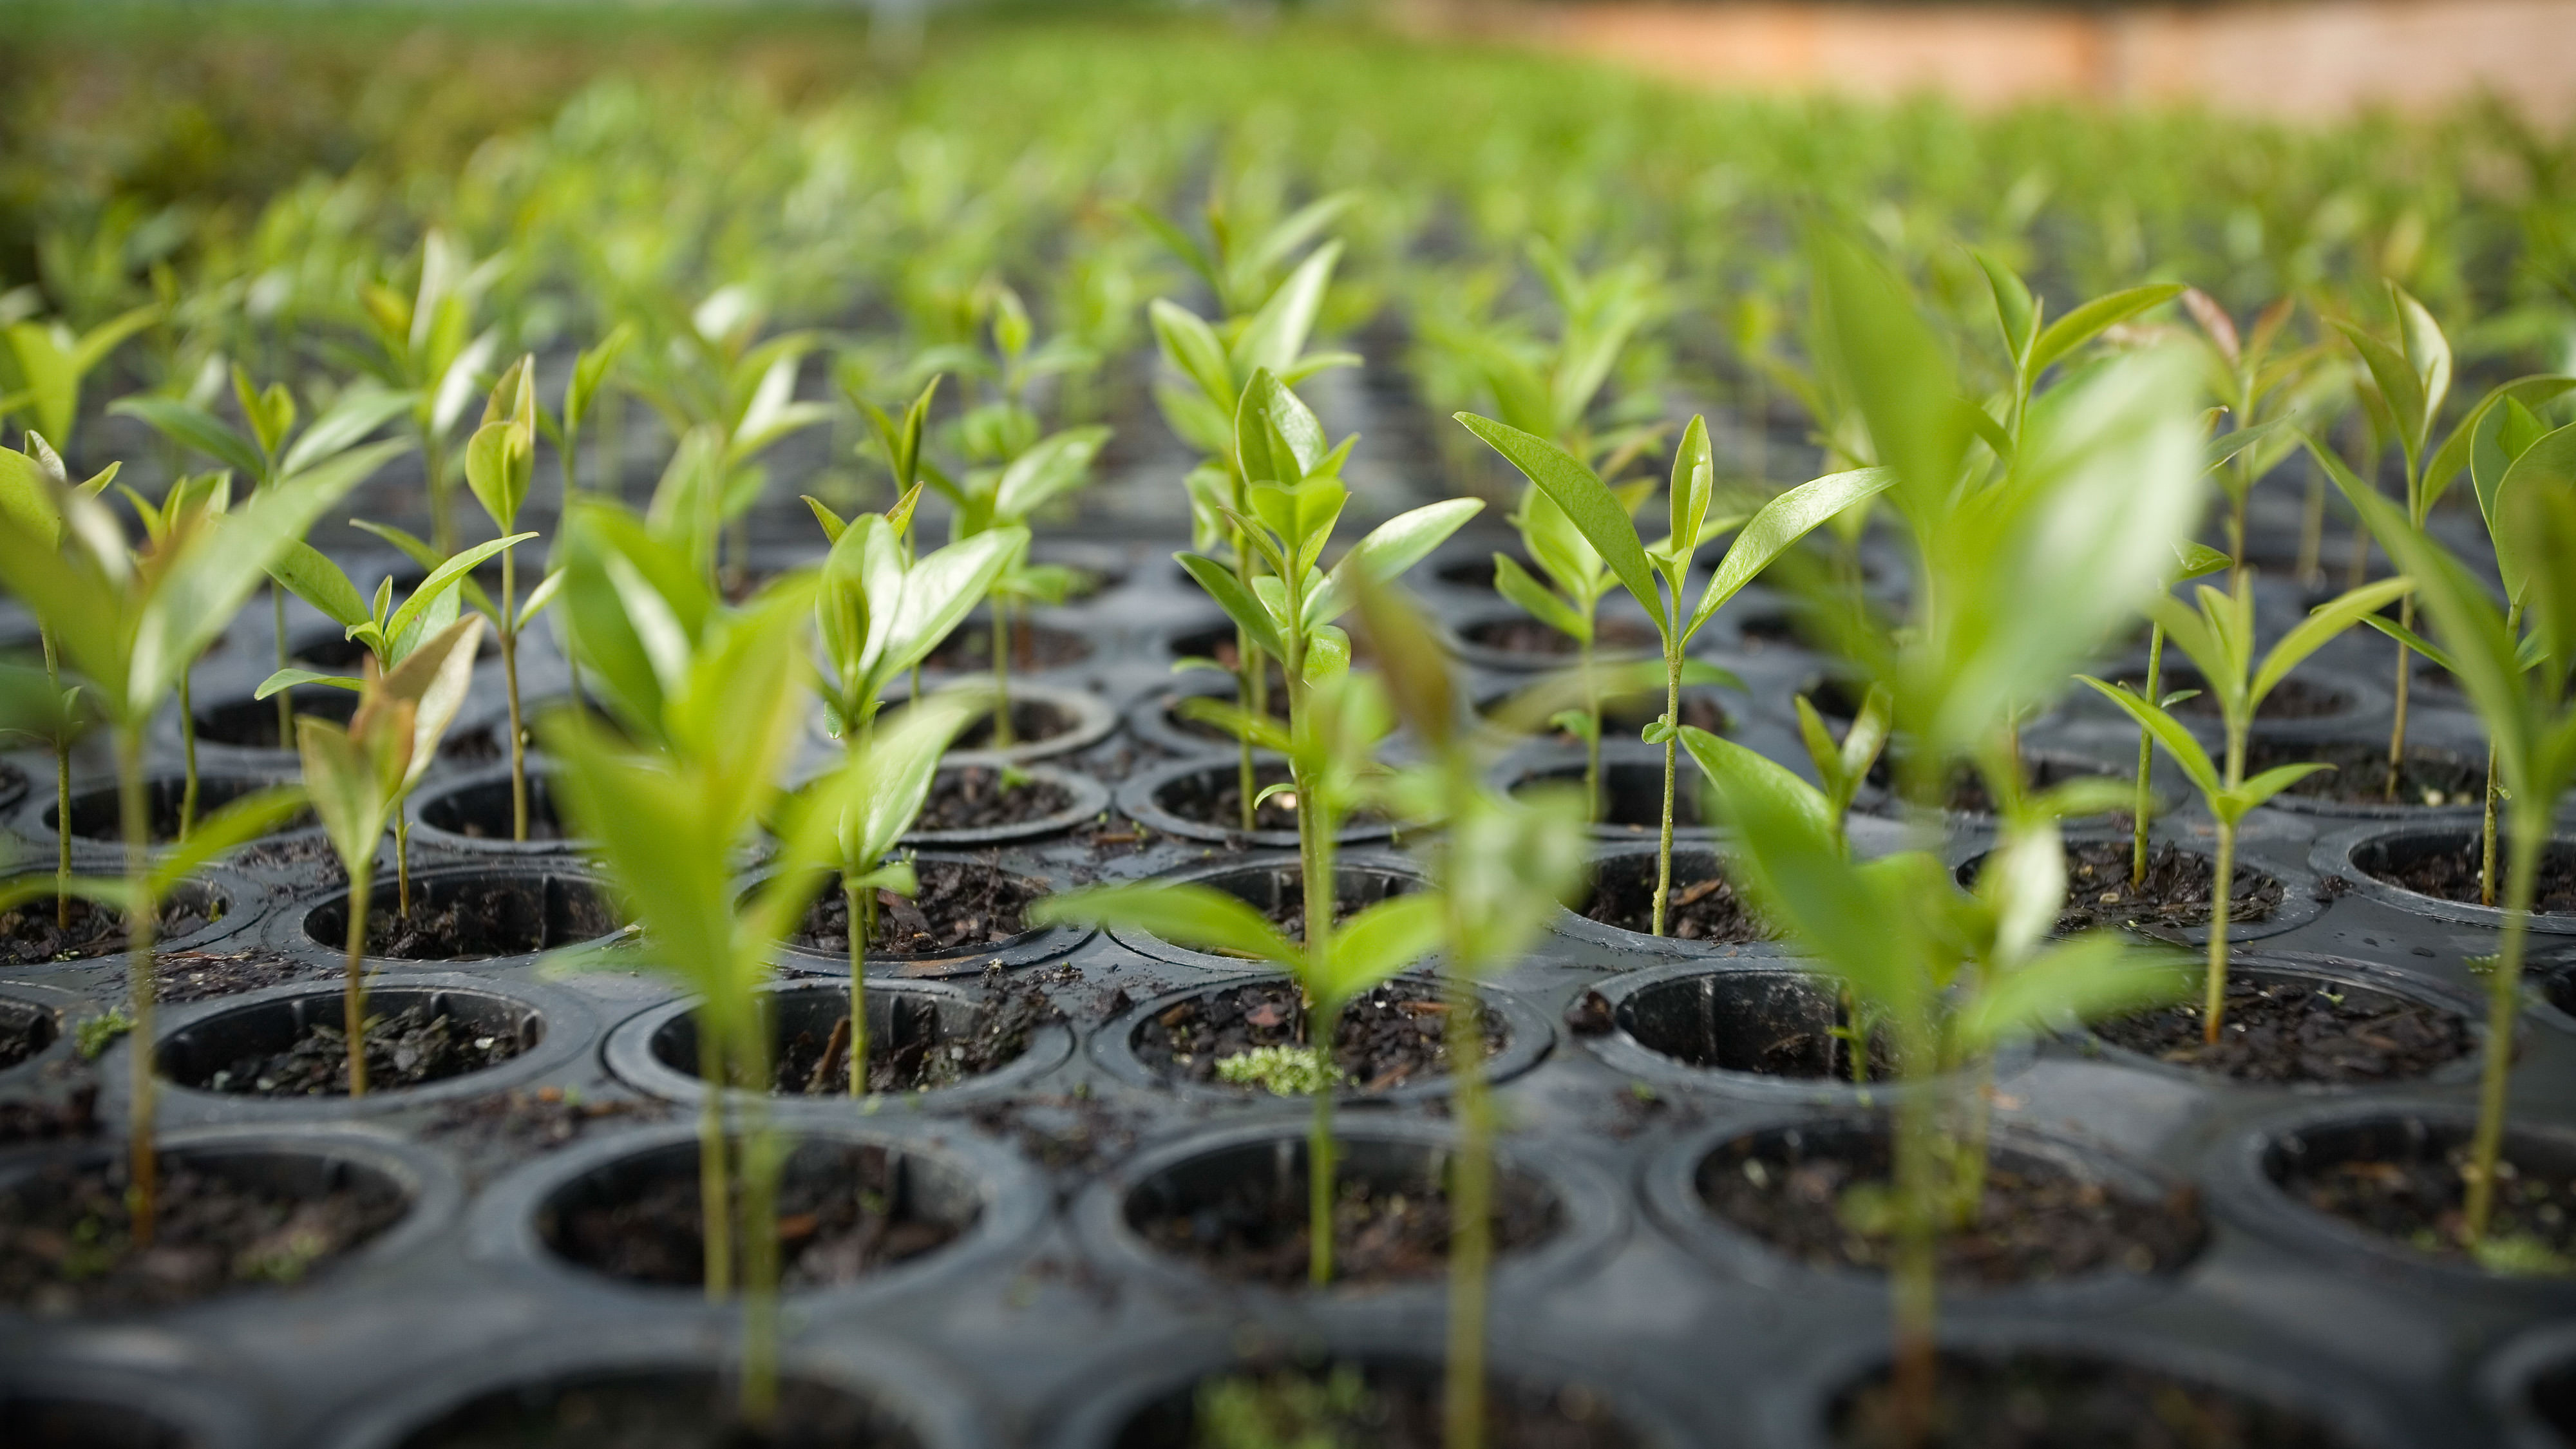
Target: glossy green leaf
x=310, y=575
x=1779, y=523
x=2169, y=733
x=1238, y=602
x=1741, y=774
x=350, y=420
x=290, y=678
x=2091, y=320
x=1197, y=916
x=1386, y=551
x=2324, y=624
x=1586, y=502
x=195, y=429
x=1373, y=945
x=1694, y=484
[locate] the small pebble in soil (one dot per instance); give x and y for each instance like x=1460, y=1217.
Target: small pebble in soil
x=958, y=905
x=66, y=1241
x=2283, y=1029
x=2035, y=1401
x=2176, y=893
x=1390, y=1035
x=408, y=1048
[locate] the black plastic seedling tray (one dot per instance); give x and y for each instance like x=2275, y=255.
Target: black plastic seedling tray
x=1047, y=1322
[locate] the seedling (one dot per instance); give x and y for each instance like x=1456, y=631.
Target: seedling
x=29, y=484
x=500, y=464
x=428, y=352
x=2267, y=392
x=358, y=777
x=2219, y=637
x=52, y=360
x=2195, y=561
x=1656, y=577
x=1569, y=602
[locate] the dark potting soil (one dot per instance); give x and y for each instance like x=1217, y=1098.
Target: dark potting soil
x=818, y=1065
x=2292, y=699
x=297, y=853
x=22, y=1037
x=51, y=1116
x=2360, y=774
x=28, y=935
x=1380, y=1406
x=1255, y=1228
x=2177, y=891
x=478, y=921
x=1214, y=796
x=1529, y=636
x=978, y=798
x=834, y=1226
x=1032, y=720
x=2413, y=1196
x=406, y=1049
x=186, y=976
x=2036, y=1221
x=1389, y=1036
x=1033, y=646
x=2048, y=1402
x=2452, y=874
x=960, y=904
x=487, y=816
x=2295, y=1030
x=665, y=1409
x=66, y=1245
x=1707, y=909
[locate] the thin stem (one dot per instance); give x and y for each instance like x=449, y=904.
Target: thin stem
x=2504, y=1006
x=862, y=923
x=2312, y=529
x=1672, y=738
x=285, y=700
x=188, y=749
x=763, y=1158
x=62, y=787
x=1471, y=1230
x=2214, y=988
x=715, y=1192
x=1914, y=1287
x=1320, y=1170
x=510, y=681
x=142, y=915
x=402, y=868
x=2141, y=807
x=1002, y=739
x=2405, y=675
x=1593, y=805
x=353, y=1010
x=2487, y=834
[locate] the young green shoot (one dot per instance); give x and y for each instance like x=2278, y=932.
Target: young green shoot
x=500, y=466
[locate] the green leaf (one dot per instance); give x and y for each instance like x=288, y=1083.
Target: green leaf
x=2547, y=464
x=1238, y=602
x=351, y=787
x=1197, y=916
x=1585, y=500
x=2428, y=352
x=346, y=423
x=1741, y=775
x=2401, y=390
x=1694, y=484
x=2168, y=731
x=833, y=527
x=290, y=678
x=1896, y=371
x=241, y=820
x=2096, y=975
x=1373, y=945
x=2199, y=560
x=2016, y=312
x=444, y=578
x=1781, y=522
x=500, y=465
x=2094, y=318
x=198, y=430
x=435, y=679
x=411, y=545
x=1276, y=335
x=2457, y=451
x=310, y=575
x=1387, y=551
x=938, y=591
x=2233, y=805
x=2325, y=623
x=1277, y=437
x=1190, y=346
x=1514, y=583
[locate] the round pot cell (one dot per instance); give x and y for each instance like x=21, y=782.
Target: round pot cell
x=1202, y=799
x=1971, y=798
x=2530, y=1385
x=2306, y=1023
x=33, y=1028
x=2434, y=780
x=1035, y=647
x=66, y=1242
x=98, y=815
x=75, y=1403
x=284, y=1051
x=1277, y=888
x=475, y=815
x=1232, y=1207
x=1632, y=794
x=248, y=724
x=971, y=805
x=2176, y=900
x=947, y=1044
x=1047, y=720
x=965, y=914
x=1160, y=720
x=195, y=913
x=1506, y=638
x=2432, y=870
x=2305, y=706
x=491, y=913
x=1702, y=911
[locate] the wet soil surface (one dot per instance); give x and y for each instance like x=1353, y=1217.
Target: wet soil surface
x=2450, y=873
x=2176, y=893
x=29, y=935
x=310, y=857
x=960, y=905
x=667, y=1410
x=978, y=798
x=1815, y=1198
x=66, y=1244
x=2033, y=1402
x=1214, y=796
x=1033, y=646
x=1706, y=909
x=186, y=976
x=484, y=920
x=835, y=1224
x=2413, y=1195
x=2296, y=1030
x=1032, y=721
x=1254, y=1229
x=1529, y=636
x=1389, y=1036
x=818, y=1064
x=2360, y=775
x=409, y=1048
x=1382, y=1407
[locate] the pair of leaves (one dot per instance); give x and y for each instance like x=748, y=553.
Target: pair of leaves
x=1370, y=947
x=52, y=361
x=358, y=775
x=390, y=634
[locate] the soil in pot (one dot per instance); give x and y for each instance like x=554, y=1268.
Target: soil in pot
x=408, y=1048
x=2447, y=869
x=1033, y=646
x=251, y=724
x=2289, y=1029
x=311, y=856
x=25, y=1029
x=1532, y=638
x=2405, y=1186
x=1386, y=1405
x=479, y=917
x=1249, y=1225
x=66, y=1245
x=29, y=937
x=483, y=812
x=1033, y=721
x=959, y=905
x=665, y=1408
x=2429, y=777
x=98, y=815
x=1389, y=1036
x=1822, y=1195
x=979, y=798
x=842, y=1212
x=1771, y=1023
x=2176, y=893
x=2050, y=1401
x=917, y=1053
x=1703, y=905
x=186, y=976
x=1214, y=797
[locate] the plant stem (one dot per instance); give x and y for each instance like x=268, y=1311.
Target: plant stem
x=62, y=787
x=2405, y=675
x=1320, y=1167
x=2504, y=1006
x=402, y=868
x=2487, y=834
x=1914, y=1288
x=1001, y=675
x=1672, y=739
x=2145, y=802
x=142, y=915
x=1593, y=805
x=188, y=750
x=715, y=1192
x=2214, y=989
x=863, y=926
x=510, y=681
x=285, y=697
x=2312, y=528
x=1471, y=1222
x=764, y=1155
x=353, y=1010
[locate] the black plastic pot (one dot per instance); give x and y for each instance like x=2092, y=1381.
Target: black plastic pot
x=657, y=1051
x=225, y=901
x=97, y=815
x=1085, y=799
x=472, y=815
x=1051, y=721
x=243, y=728
x=801, y=955
x=1630, y=869
x=533, y=908
x=1632, y=790
x=2530, y=1386
x=1269, y=884
x=2300, y=893
x=552, y=1028
x=2360, y=856
x=1155, y=720
x=35, y=1033
x=2342, y=976
x=1154, y=798
x=65, y=1402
